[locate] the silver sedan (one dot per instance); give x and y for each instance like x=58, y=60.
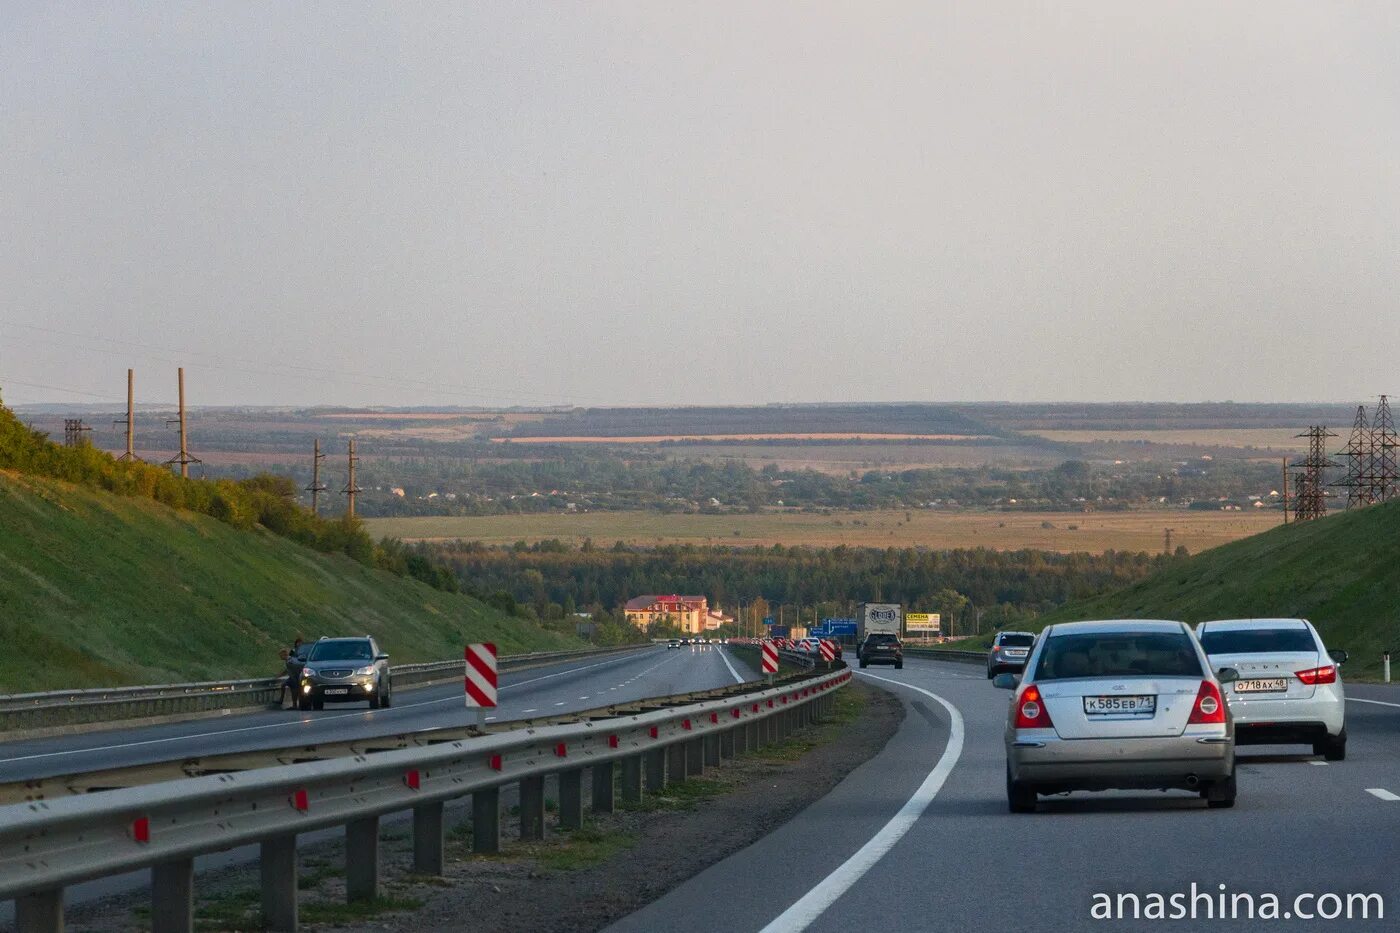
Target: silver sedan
x=1119, y=704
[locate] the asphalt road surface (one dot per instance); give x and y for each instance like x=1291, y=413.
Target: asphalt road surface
x=540, y=691
x=919, y=838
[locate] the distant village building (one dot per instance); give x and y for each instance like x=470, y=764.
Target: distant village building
x=688, y=613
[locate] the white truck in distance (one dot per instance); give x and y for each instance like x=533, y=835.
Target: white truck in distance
x=879, y=618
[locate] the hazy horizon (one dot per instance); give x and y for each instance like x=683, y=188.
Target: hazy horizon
x=703, y=203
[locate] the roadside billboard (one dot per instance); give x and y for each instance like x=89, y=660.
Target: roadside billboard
x=923, y=623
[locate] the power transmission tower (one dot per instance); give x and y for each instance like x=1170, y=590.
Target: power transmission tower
x=317, y=487
x=351, y=490
x=1358, y=455
x=184, y=457
x=1167, y=540
x=130, y=455
x=1385, y=481
x=1311, y=497
x=73, y=429
x=1285, y=490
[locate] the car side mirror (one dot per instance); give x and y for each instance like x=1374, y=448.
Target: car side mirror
x=381, y=657
x=1227, y=675
x=1006, y=681
x=1339, y=655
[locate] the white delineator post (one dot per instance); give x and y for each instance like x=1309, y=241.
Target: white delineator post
x=770, y=659
x=481, y=678
x=1385, y=658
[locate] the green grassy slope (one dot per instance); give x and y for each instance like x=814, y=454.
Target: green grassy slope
x=1342, y=572
x=100, y=590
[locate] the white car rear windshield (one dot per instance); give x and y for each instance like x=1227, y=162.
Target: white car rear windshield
x=1119, y=654
x=1257, y=641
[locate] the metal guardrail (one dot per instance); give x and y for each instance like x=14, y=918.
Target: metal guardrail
x=48, y=845
x=947, y=654
x=30, y=712
x=105, y=779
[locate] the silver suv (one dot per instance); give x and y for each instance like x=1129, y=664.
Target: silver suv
x=1009, y=652
x=343, y=670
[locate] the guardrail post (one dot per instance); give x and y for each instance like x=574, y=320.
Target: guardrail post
x=675, y=762
x=40, y=912
x=632, y=779
x=172, y=896
x=362, y=859
x=486, y=821
x=654, y=765
x=278, y=865
x=532, y=808
x=712, y=750
x=695, y=757
x=427, y=838
x=603, y=787
x=726, y=743
x=571, y=798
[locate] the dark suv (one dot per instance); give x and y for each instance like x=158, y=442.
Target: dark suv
x=880, y=648
x=342, y=670
x=1009, y=652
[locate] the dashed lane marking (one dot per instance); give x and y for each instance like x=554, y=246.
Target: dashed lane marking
x=1382, y=793
x=1372, y=702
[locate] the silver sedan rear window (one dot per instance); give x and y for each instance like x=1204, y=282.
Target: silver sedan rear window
x=1119, y=654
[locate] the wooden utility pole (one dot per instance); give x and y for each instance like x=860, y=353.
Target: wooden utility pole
x=317, y=487
x=351, y=490
x=130, y=455
x=184, y=458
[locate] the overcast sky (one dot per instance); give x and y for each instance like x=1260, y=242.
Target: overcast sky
x=736, y=202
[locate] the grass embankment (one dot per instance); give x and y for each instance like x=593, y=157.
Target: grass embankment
x=100, y=590
x=1094, y=532
x=1342, y=573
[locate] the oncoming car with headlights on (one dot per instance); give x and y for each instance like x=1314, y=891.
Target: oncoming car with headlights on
x=1126, y=705
x=343, y=670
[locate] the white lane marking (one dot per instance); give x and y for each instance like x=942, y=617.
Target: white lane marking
x=1372, y=702
x=530, y=710
x=560, y=703
x=1322, y=763
x=812, y=904
x=453, y=698
x=1382, y=793
x=724, y=656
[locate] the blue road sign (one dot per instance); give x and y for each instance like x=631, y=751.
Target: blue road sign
x=768, y=620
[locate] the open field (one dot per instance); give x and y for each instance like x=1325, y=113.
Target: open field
x=774, y=436
x=842, y=459
x=1270, y=438
x=1066, y=531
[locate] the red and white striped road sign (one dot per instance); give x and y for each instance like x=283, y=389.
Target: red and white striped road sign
x=770, y=658
x=481, y=676
x=828, y=651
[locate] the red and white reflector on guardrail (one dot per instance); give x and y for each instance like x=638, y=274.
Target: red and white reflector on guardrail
x=770, y=658
x=481, y=676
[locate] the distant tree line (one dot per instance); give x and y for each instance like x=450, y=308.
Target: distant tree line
x=606, y=483
x=1003, y=585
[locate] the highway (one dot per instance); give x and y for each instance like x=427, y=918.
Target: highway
x=536, y=692
x=919, y=838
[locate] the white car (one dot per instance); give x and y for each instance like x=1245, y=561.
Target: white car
x=1290, y=687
